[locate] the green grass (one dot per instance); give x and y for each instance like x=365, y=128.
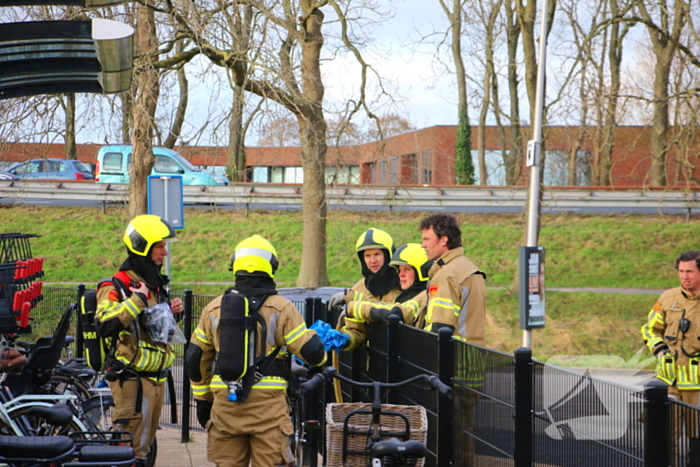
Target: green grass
x=622, y=251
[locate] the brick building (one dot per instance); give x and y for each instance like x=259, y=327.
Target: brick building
x=427, y=157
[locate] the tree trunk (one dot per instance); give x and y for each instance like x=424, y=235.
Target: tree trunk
x=143, y=112
x=455, y=18
x=659, y=134
x=235, y=158
x=663, y=35
x=312, y=131
x=71, y=149
x=513, y=159
x=489, y=75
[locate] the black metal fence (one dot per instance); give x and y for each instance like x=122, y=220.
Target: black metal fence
x=508, y=409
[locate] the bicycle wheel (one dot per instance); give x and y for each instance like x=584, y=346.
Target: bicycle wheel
x=152, y=453
x=37, y=425
x=62, y=384
x=297, y=441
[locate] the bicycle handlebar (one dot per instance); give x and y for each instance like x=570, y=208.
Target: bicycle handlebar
x=330, y=372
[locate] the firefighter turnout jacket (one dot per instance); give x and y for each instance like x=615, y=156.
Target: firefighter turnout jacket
x=672, y=333
x=120, y=319
x=410, y=309
x=285, y=329
x=456, y=298
x=354, y=327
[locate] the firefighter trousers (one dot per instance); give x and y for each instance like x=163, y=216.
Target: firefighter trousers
x=140, y=417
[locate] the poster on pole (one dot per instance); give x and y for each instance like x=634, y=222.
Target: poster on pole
x=166, y=199
x=532, y=302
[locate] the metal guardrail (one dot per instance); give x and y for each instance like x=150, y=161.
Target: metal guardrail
x=415, y=197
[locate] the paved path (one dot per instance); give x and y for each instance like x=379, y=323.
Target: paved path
x=173, y=453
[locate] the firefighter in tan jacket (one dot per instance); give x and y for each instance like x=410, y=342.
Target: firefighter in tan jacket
x=247, y=420
x=457, y=288
x=672, y=332
x=412, y=265
x=138, y=369
x=457, y=300
x=380, y=284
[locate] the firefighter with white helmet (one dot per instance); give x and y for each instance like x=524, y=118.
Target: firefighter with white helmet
x=241, y=397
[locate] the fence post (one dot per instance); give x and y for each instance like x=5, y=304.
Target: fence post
x=392, y=353
x=446, y=359
x=657, y=429
x=187, y=325
x=309, y=311
x=79, y=343
x=523, y=407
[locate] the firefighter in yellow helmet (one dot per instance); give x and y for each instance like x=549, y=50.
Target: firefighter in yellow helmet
x=379, y=285
x=412, y=265
x=241, y=398
x=139, y=365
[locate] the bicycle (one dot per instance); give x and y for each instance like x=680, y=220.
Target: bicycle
x=381, y=452
x=62, y=451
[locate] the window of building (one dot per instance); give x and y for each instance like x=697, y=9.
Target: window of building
x=426, y=165
x=495, y=169
x=556, y=168
x=343, y=174
x=261, y=175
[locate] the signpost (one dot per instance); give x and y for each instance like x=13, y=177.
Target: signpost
x=532, y=304
x=166, y=200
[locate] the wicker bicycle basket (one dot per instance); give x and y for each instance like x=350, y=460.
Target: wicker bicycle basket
x=335, y=416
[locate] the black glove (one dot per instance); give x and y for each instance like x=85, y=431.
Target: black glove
x=203, y=411
x=382, y=314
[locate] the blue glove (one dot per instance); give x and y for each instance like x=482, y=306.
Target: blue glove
x=331, y=338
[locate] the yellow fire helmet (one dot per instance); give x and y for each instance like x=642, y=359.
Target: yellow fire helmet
x=145, y=230
x=375, y=238
x=254, y=256
x=412, y=254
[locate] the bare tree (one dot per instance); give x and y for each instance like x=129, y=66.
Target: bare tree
x=670, y=21
x=282, y=131
x=147, y=90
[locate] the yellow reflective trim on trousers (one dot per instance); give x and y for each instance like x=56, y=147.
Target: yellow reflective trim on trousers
x=201, y=336
x=217, y=382
x=295, y=334
x=271, y=382
x=200, y=389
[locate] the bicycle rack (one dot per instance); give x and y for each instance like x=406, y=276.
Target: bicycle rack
x=20, y=289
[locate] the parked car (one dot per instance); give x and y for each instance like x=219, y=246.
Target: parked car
x=52, y=169
x=113, y=164
x=5, y=176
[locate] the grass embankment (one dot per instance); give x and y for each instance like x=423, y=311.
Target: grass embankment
x=625, y=251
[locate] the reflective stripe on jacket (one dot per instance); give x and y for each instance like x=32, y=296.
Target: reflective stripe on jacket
x=680, y=365
x=120, y=320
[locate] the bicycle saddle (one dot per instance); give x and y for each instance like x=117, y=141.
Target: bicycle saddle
x=34, y=447
x=11, y=361
x=80, y=372
x=58, y=414
x=398, y=449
